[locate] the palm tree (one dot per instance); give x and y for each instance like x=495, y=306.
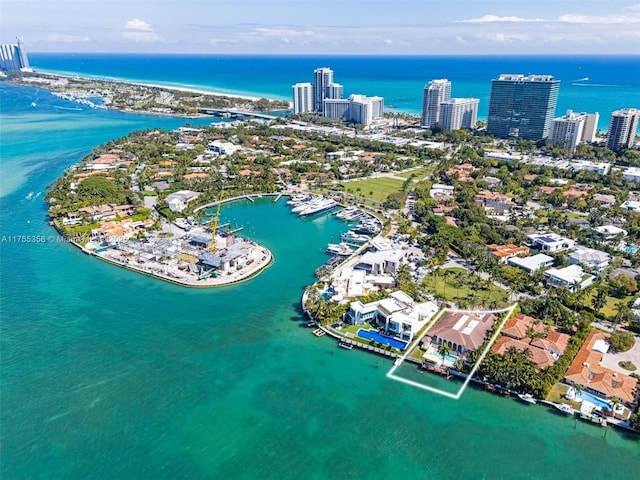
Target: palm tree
x=600, y=299
x=444, y=350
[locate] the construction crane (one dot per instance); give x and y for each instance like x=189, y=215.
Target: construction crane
x=212, y=245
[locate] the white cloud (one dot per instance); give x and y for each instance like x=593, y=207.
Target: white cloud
x=64, y=38
x=137, y=24
x=496, y=18
x=137, y=30
x=601, y=20
x=503, y=37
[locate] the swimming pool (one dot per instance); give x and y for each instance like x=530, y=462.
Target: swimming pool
x=597, y=401
x=631, y=248
x=373, y=335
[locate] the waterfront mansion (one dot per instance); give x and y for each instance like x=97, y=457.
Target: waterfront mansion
x=397, y=315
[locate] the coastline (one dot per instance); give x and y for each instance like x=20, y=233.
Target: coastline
x=141, y=83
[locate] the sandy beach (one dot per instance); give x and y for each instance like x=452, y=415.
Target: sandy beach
x=157, y=85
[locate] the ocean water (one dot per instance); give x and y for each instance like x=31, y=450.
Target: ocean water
x=105, y=373
x=588, y=83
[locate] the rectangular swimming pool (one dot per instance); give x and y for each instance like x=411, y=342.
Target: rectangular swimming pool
x=599, y=402
x=383, y=339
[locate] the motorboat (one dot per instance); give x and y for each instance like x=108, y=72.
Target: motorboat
x=564, y=408
x=527, y=398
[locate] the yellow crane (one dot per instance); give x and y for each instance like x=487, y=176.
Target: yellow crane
x=212, y=245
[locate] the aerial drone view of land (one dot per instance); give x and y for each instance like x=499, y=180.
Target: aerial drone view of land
x=443, y=268
x=142, y=98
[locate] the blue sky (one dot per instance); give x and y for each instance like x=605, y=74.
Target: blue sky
x=416, y=27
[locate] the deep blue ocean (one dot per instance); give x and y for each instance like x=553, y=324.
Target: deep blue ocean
x=105, y=373
x=588, y=83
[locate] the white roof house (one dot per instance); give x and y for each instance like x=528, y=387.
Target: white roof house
x=589, y=257
x=178, y=201
x=533, y=263
x=397, y=314
x=632, y=174
x=378, y=263
x=610, y=231
x=631, y=205
x=440, y=190
x=571, y=277
x=223, y=148
x=549, y=242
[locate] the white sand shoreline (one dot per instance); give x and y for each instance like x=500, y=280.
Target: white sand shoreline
x=159, y=85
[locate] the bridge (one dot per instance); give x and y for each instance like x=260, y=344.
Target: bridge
x=230, y=113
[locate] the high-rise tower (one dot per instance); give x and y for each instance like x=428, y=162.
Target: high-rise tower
x=302, y=97
x=322, y=79
x=622, y=128
x=435, y=92
x=522, y=106
x=14, y=56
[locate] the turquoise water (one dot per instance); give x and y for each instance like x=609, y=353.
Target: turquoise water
x=613, y=81
x=109, y=374
x=373, y=335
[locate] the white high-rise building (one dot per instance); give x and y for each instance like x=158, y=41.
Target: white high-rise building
x=334, y=91
x=302, y=97
x=457, y=113
x=435, y=92
x=360, y=109
x=378, y=106
x=336, y=108
x=622, y=128
x=357, y=108
x=590, y=127
x=573, y=128
x=322, y=78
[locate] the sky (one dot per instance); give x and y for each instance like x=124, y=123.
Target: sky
x=332, y=27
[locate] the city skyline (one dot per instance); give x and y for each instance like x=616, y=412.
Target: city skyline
x=409, y=27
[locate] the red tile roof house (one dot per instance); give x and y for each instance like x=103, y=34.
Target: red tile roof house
x=461, y=331
x=526, y=333
x=585, y=370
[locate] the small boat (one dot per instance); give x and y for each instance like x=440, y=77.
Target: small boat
x=345, y=345
x=311, y=324
x=564, y=408
x=527, y=398
x=341, y=249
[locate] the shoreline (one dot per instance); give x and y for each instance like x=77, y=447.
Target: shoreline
x=235, y=277
x=142, y=83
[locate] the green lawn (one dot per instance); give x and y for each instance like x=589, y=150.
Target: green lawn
x=375, y=188
x=419, y=173
x=453, y=290
x=610, y=308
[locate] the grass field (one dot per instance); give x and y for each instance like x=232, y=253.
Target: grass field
x=375, y=188
x=419, y=173
x=462, y=290
x=610, y=308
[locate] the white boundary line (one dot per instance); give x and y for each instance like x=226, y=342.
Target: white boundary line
x=390, y=374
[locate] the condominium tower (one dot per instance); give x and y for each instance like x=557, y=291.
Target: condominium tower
x=522, y=106
x=13, y=56
x=322, y=79
x=302, y=97
x=457, y=113
x=435, y=92
x=573, y=128
x=622, y=128
x=357, y=108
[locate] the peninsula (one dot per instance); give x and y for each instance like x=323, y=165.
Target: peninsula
x=141, y=97
x=507, y=261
